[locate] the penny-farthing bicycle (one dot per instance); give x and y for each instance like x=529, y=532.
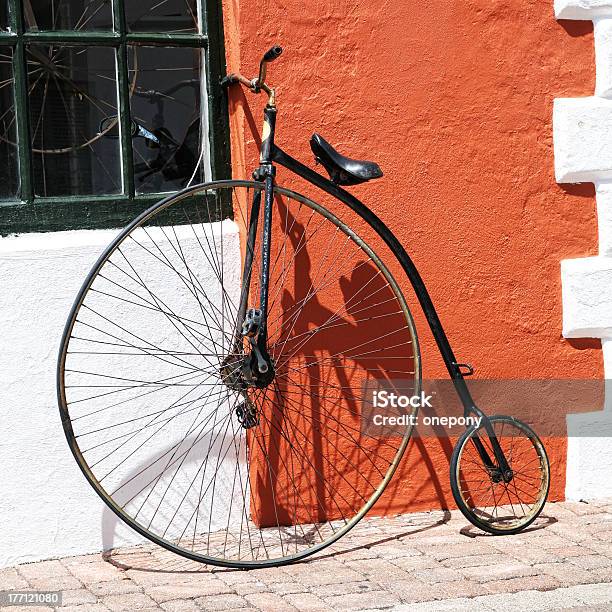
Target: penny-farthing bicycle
x=212, y=368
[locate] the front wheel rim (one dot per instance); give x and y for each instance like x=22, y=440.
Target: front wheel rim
x=398, y=445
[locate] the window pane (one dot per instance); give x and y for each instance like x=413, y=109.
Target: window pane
x=4, y=24
x=162, y=16
x=72, y=92
x=165, y=108
x=9, y=174
x=68, y=14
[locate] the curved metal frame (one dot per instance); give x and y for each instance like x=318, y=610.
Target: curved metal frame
x=454, y=369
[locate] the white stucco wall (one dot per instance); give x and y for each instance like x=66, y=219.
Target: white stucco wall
x=47, y=508
x=583, y=153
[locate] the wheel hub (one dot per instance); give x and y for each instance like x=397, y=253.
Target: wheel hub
x=498, y=476
x=254, y=368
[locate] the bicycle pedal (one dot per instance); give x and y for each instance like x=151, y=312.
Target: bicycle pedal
x=247, y=415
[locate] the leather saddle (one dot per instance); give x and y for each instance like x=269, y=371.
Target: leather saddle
x=342, y=170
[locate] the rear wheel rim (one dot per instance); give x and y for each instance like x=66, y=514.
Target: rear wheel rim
x=296, y=519
x=483, y=496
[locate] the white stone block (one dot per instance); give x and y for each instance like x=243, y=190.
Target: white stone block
x=589, y=456
x=589, y=444
x=587, y=297
x=606, y=347
x=582, y=9
x=582, y=133
x=603, y=57
x=603, y=192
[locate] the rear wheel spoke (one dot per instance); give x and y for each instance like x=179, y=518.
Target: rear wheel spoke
x=483, y=495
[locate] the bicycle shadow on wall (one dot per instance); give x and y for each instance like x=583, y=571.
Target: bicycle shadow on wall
x=315, y=415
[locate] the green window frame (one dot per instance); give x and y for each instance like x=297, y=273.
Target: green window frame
x=31, y=213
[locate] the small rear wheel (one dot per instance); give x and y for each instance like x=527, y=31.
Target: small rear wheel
x=488, y=501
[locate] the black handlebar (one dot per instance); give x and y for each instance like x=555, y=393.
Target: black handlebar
x=269, y=56
x=258, y=83
x=272, y=54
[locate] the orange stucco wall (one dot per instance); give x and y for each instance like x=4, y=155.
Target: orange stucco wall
x=454, y=101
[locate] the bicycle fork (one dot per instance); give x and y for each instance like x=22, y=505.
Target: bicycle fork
x=499, y=469
x=255, y=369
x=254, y=320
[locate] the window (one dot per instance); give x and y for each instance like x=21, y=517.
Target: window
x=105, y=105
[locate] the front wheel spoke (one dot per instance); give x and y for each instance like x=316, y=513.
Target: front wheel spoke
x=123, y=329
x=176, y=437
x=152, y=422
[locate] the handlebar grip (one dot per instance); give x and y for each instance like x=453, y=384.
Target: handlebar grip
x=228, y=80
x=272, y=54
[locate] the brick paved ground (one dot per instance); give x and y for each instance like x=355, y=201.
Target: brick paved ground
x=428, y=561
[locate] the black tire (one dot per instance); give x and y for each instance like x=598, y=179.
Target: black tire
x=474, y=501
x=305, y=499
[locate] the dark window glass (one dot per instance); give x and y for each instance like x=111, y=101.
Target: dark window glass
x=9, y=174
x=72, y=91
x=165, y=109
x=60, y=127
x=162, y=16
x=4, y=22
x=68, y=14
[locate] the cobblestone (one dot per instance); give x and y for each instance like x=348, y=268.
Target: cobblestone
x=113, y=587
x=186, y=591
x=54, y=583
x=98, y=571
x=540, y=582
x=97, y=607
x=361, y=601
x=180, y=605
x=78, y=597
x=428, y=561
x=503, y=571
x=222, y=602
x=270, y=601
x=344, y=588
x=11, y=579
x=307, y=602
x=129, y=601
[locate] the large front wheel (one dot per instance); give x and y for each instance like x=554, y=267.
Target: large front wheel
x=154, y=406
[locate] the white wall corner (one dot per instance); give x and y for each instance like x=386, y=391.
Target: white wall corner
x=589, y=446
x=603, y=194
x=603, y=56
x=587, y=297
x=582, y=9
x=582, y=136
x=586, y=476
x=606, y=347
